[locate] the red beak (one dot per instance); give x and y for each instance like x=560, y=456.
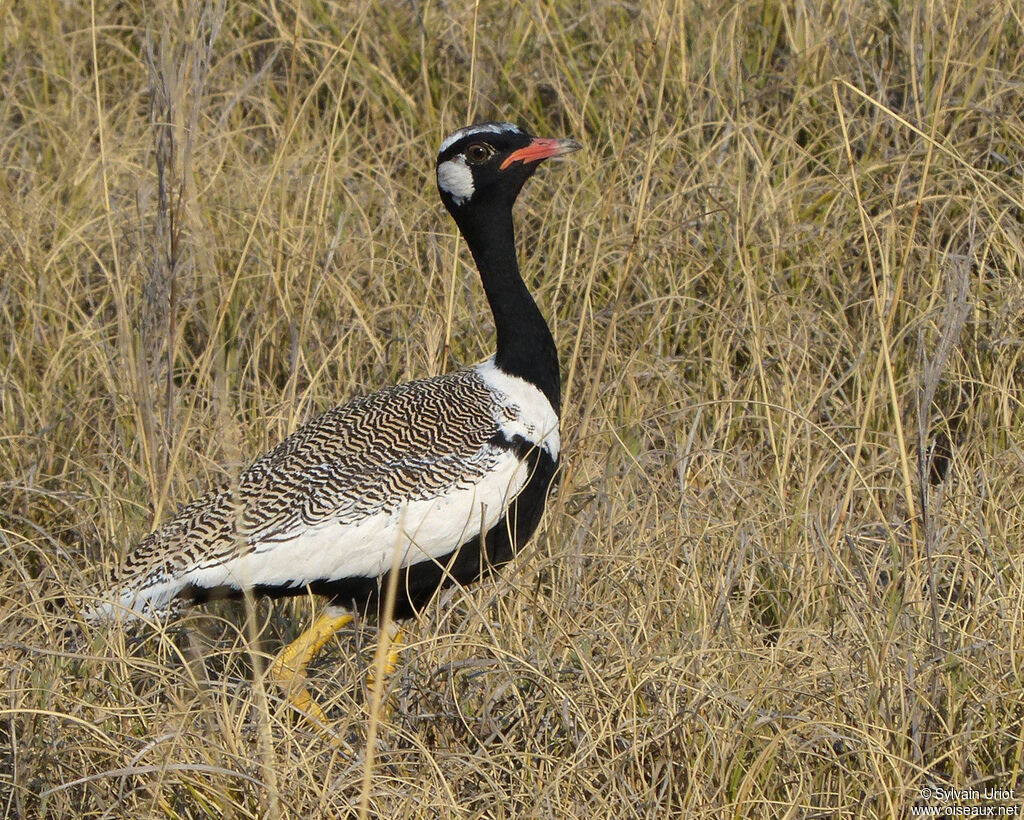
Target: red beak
x=539, y=149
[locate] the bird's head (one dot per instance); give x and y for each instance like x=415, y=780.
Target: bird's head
x=487, y=164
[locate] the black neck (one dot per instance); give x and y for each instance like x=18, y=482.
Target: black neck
x=525, y=346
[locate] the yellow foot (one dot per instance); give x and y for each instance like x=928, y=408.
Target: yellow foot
x=289, y=668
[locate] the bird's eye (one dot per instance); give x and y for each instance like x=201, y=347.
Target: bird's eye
x=478, y=152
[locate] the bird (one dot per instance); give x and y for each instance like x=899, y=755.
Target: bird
x=438, y=481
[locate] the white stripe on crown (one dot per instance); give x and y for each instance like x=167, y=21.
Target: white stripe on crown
x=485, y=128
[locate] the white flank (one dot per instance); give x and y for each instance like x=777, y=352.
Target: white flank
x=535, y=420
x=420, y=530
x=455, y=178
x=484, y=128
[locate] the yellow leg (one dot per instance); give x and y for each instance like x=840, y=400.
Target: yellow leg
x=384, y=665
x=289, y=668
x=386, y=660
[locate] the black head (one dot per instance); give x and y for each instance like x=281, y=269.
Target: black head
x=487, y=164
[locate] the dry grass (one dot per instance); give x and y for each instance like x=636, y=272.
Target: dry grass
x=786, y=270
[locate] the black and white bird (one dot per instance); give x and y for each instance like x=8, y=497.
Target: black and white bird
x=444, y=478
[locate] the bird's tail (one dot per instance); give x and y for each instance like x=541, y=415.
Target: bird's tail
x=124, y=605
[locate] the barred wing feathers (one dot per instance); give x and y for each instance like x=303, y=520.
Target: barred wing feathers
x=421, y=467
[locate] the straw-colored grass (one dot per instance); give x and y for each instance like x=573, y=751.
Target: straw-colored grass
x=784, y=273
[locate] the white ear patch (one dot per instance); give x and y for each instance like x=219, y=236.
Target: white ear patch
x=455, y=179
